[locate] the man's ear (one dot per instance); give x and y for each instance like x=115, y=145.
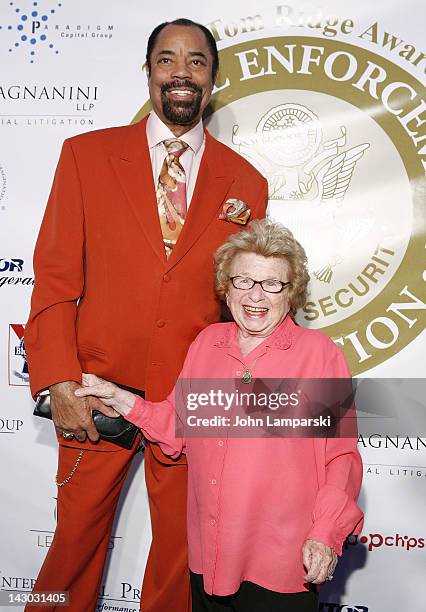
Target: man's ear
x=145, y=68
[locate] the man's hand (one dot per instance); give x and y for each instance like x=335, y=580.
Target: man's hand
x=319, y=560
x=74, y=415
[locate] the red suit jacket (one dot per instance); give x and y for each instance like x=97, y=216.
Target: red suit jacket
x=106, y=300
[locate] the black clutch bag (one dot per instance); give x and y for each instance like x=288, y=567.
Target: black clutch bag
x=113, y=429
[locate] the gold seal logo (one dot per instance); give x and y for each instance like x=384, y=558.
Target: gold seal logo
x=339, y=132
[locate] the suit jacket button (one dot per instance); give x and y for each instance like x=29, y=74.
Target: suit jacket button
x=166, y=278
x=161, y=323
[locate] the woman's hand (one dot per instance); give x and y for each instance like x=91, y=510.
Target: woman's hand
x=120, y=400
x=319, y=560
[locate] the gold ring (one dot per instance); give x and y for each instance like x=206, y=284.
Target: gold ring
x=67, y=435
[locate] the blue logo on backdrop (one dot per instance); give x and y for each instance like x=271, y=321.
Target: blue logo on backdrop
x=34, y=29
x=11, y=265
x=29, y=28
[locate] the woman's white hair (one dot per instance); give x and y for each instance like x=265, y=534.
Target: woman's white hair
x=268, y=239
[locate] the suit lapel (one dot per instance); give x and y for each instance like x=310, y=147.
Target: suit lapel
x=212, y=184
x=134, y=171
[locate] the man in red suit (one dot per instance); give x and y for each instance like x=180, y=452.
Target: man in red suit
x=107, y=300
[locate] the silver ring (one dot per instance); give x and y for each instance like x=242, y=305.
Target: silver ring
x=330, y=577
x=67, y=435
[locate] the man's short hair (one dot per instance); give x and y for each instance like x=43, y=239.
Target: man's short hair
x=184, y=22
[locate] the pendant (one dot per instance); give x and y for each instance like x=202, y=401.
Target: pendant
x=246, y=378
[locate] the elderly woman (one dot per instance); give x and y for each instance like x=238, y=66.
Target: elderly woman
x=266, y=517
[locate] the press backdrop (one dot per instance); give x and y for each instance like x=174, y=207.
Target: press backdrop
x=327, y=100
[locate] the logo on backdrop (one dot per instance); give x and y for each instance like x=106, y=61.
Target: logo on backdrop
x=124, y=593
x=10, y=426
x=304, y=171
x=399, y=447
x=43, y=538
x=337, y=130
x=10, y=273
x=33, y=29
x=16, y=583
x=2, y=186
x=11, y=265
x=373, y=541
x=18, y=366
x=28, y=26
x=383, y=441
x=50, y=105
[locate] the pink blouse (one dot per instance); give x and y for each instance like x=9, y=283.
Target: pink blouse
x=252, y=503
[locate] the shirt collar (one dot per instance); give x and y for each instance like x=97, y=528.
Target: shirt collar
x=157, y=131
x=281, y=338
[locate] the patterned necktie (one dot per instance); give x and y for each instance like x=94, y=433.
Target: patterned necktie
x=171, y=193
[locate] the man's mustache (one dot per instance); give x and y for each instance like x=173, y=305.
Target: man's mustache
x=181, y=84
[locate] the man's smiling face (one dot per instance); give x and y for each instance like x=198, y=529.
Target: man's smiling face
x=180, y=81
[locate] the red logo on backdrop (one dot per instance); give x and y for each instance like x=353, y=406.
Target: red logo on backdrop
x=18, y=366
x=378, y=540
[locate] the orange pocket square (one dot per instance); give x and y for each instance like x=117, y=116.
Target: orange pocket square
x=235, y=211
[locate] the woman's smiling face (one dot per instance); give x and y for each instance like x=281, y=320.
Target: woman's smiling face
x=255, y=311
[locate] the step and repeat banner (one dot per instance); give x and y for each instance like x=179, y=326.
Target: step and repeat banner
x=327, y=100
